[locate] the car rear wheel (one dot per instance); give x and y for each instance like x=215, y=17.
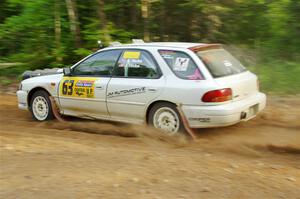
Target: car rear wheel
x=166, y=117
x=40, y=106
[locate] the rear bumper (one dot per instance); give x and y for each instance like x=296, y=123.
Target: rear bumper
x=22, y=99
x=224, y=114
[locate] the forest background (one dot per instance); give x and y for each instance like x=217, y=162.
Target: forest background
x=263, y=34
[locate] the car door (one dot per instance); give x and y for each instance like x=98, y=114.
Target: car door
x=136, y=81
x=83, y=93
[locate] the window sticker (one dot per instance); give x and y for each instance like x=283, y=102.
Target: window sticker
x=130, y=63
x=77, y=87
x=131, y=55
x=137, y=61
x=166, y=54
x=133, y=65
x=195, y=76
x=227, y=63
x=181, y=64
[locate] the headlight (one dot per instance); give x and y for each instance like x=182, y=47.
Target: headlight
x=20, y=86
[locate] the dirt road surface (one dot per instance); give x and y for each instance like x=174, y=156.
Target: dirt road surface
x=87, y=159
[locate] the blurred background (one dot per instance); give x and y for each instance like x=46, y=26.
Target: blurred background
x=263, y=34
x=81, y=159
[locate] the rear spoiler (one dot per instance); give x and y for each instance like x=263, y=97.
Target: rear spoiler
x=205, y=47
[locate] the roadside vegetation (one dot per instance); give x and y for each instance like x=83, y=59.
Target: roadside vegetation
x=55, y=33
x=279, y=77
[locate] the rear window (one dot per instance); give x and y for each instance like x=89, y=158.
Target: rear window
x=181, y=64
x=220, y=63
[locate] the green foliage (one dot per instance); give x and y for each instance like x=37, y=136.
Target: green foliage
x=28, y=27
x=54, y=33
x=5, y=81
x=82, y=52
x=279, y=77
x=13, y=71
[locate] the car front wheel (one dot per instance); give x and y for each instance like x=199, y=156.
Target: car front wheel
x=40, y=106
x=166, y=117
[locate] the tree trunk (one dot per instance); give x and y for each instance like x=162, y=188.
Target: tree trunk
x=101, y=14
x=145, y=15
x=162, y=22
x=57, y=28
x=73, y=17
x=133, y=16
x=103, y=22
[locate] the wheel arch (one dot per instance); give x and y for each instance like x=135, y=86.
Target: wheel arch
x=32, y=91
x=152, y=104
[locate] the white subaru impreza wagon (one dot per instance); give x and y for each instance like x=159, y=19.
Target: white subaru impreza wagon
x=146, y=82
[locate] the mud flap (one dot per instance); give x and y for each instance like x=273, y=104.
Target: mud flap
x=55, y=110
x=190, y=131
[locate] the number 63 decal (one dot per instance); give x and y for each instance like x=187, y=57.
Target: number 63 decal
x=67, y=87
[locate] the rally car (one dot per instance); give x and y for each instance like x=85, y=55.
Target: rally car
x=146, y=82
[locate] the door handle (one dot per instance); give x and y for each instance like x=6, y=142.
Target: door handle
x=99, y=87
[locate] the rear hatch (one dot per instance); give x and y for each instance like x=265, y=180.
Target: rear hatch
x=243, y=85
x=228, y=72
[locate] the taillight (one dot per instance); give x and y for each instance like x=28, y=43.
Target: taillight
x=221, y=95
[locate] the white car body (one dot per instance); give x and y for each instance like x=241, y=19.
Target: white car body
x=129, y=99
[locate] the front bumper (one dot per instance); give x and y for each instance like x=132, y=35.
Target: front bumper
x=224, y=114
x=22, y=99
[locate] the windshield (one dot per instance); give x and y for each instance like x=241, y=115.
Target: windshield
x=220, y=63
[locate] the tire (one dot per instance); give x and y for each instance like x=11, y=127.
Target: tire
x=40, y=106
x=166, y=117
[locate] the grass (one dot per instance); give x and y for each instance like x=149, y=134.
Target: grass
x=4, y=81
x=278, y=77
x=13, y=71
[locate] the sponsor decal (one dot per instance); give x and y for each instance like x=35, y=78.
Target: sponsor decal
x=84, y=83
x=167, y=54
x=137, y=61
x=130, y=63
x=181, y=64
x=131, y=55
x=77, y=87
x=205, y=119
x=130, y=59
x=132, y=91
x=227, y=63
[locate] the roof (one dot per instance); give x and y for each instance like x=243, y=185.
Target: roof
x=167, y=44
x=192, y=46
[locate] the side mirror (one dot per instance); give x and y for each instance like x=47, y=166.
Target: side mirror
x=67, y=71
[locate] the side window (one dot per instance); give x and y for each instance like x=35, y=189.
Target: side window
x=100, y=64
x=181, y=64
x=136, y=64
